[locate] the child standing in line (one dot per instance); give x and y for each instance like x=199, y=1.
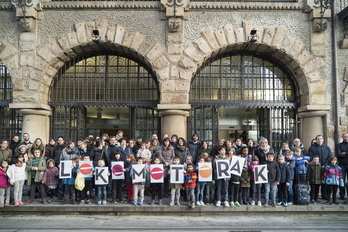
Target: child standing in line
x=145, y=153
x=139, y=187
x=175, y=188
x=210, y=186
x=256, y=187
x=70, y=184
x=86, y=191
x=221, y=184
x=333, y=179
x=314, y=177
x=17, y=176
x=130, y=160
x=300, y=164
x=101, y=187
x=190, y=184
x=291, y=163
x=200, y=185
x=284, y=181
x=188, y=160
x=245, y=182
x=156, y=187
x=35, y=169
x=51, y=179
x=117, y=183
x=4, y=185
x=273, y=178
x=234, y=185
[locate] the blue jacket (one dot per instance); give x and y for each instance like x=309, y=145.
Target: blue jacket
x=333, y=175
x=124, y=152
x=301, y=164
x=291, y=163
x=127, y=175
x=193, y=148
x=285, y=175
x=71, y=180
x=323, y=151
x=86, y=178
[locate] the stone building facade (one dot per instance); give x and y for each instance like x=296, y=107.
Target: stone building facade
x=174, y=41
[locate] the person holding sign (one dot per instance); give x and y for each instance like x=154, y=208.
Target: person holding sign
x=69, y=183
x=255, y=187
x=190, y=185
x=139, y=187
x=273, y=179
x=117, y=183
x=51, y=179
x=102, y=185
x=86, y=191
x=130, y=160
x=200, y=184
x=234, y=184
x=166, y=154
x=157, y=187
x=221, y=184
x=175, y=188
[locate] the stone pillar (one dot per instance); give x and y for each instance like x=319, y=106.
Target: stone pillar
x=312, y=122
x=173, y=118
x=36, y=120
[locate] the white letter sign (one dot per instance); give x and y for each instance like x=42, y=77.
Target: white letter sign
x=236, y=167
x=138, y=173
x=65, y=169
x=176, y=174
x=222, y=169
x=156, y=173
x=260, y=174
x=86, y=168
x=101, y=175
x=204, y=172
x=117, y=173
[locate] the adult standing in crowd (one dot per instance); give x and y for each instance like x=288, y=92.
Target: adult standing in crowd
x=26, y=140
x=37, y=144
x=251, y=147
x=110, y=152
x=49, y=149
x=181, y=150
x=324, y=153
x=342, y=156
x=124, y=149
x=166, y=155
x=5, y=152
x=57, y=152
x=203, y=149
x=297, y=143
x=15, y=141
x=263, y=150
x=217, y=148
x=98, y=153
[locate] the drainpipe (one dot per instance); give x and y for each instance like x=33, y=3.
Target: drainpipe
x=334, y=69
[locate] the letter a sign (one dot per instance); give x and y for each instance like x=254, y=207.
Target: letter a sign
x=260, y=174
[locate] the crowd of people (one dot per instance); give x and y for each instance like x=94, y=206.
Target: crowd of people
x=37, y=165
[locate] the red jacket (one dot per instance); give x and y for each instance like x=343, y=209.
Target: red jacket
x=190, y=176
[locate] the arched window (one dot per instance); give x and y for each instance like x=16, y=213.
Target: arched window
x=10, y=120
x=243, y=95
x=102, y=94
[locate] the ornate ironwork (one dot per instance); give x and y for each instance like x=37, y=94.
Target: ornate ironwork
x=323, y=5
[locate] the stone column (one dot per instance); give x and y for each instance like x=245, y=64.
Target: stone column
x=312, y=122
x=173, y=118
x=36, y=120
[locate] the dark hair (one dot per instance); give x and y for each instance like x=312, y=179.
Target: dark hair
x=220, y=148
x=60, y=137
x=255, y=158
x=183, y=141
x=331, y=159
x=251, y=140
x=195, y=134
x=271, y=154
x=153, y=160
x=174, y=135
x=244, y=147
x=37, y=149
x=189, y=164
x=285, y=141
x=166, y=139
x=121, y=139
x=117, y=153
x=139, y=158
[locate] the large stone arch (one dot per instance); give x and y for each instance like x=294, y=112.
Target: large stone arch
x=275, y=42
x=51, y=57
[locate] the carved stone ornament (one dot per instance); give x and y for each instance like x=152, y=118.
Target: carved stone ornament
x=27, y=11
x=176, y=11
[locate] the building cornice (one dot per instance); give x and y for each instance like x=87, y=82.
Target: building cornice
x=247, y=5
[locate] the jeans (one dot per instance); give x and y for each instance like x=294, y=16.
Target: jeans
x=221, y=188
x=256, y=190
x=18, y=190
x=234, y=192
x=101, y=190
x=291, y=191
x=344, y=170
x=33, y=187
x=270, y=187
x=209, y=191
x=190, y=193
x=69, y=192
x=139, y=189
x=200, y=191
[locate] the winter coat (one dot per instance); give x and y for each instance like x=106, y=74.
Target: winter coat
x=49, y=149
x=39, y=174
x=245, y=177
x=314, y=173
x=182, y=152
x=323, y=151
x=285, y=175
x=57, y=153
x=333, y=175
x=5, y=155
x=273, y=171
x=238, y=149
x=303, y=149
x=190, y=176
x=342, y=153
x=144, y=153
x=252, y=173
x=13, y=145
x=71, y=180
x=125, y=151
x=283, y=151
x=69, y=154
x=98, y=154
x=128, y=167
x=201, y=151
x=166, y=154
x=110, y=153
x=292, y=164
x=300, y=165
x=262, y=155
x=51, y=176
x=4, y=181
x=215, y=150
x=17, y=173
x=193, y=149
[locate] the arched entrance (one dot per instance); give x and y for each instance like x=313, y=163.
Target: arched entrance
x=10, y=120
x=245, y=95
x=103, y=93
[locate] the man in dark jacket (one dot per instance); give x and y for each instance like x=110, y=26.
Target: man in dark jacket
x=297, y=143
x=57, y=151
x=194, y=146
x=342, y=156
x=324, y=153
x=15, y=141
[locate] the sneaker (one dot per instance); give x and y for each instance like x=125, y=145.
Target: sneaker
x=135, y=203
x=280, y=203
x=99, y=203
x=226, y=204
x=252, y=203
x=193, y=205
x=218, y=204
x=236, y=203
x=266, y=204
x=232, y=204
x=177, y=203
x=329, y=203
x=82, y=202
x=160, y=202
x=88, y=202
x=50, y=200
x=274, y=204
x=198, y=203
x=202, y=203
x=290, y=203
x=312, y=201
x=259, y=203
x=171, y=203
x=16, y=203
x=104, y=203
x=152, y=202
x=336, y=203
x=285, y=204
x=114, y=201
x=141, y=203
x=21, y=203
x=44, y=201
